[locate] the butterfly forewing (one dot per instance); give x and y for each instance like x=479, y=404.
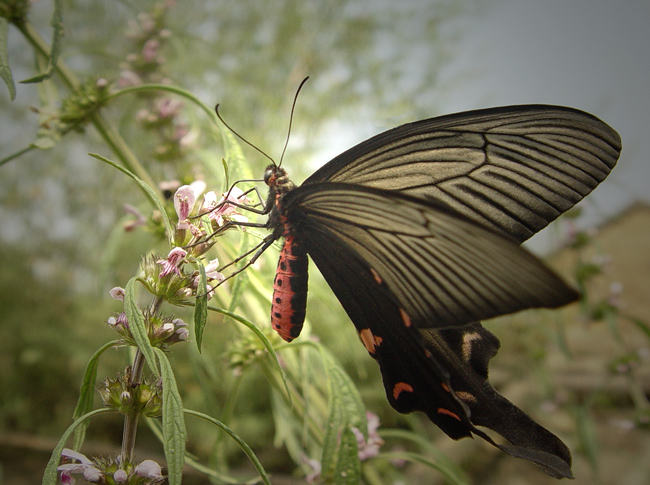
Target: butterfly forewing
x=514, y=169
x=443, y=269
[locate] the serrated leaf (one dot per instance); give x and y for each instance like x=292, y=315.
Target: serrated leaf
x=173, y=422
x=5, y=69
x=137, y=325
x=201, y=306
x=87, y=393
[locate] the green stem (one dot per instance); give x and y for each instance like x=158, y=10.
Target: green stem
x=131, y=419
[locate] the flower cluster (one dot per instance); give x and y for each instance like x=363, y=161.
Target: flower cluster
x=194, y=236
x=80, y=104
x=147, y=34
x=195, y=230
x=145, y=64
x=162, y=331
x=122, y=396
x=108, y=470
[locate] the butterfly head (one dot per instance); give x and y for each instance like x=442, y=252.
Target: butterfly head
x=277, y=179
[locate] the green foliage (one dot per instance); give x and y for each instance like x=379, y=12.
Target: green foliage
x=173, y=422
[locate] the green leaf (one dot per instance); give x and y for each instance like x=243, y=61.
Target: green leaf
x=57, y=36
x=447, y=467
x=265, y=341
x=87, y=393
x=5, y=69
x=454, y=477
x=201, y=306
x=587, y=435
x=173, y=422
x=137, y=325
x=641, y=325
x=238, y=168
x=242, y=444
x=153, y=195
x=242, y=282
x=50, y=477
x=340, y=460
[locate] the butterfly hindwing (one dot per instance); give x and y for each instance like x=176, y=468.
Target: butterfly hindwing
x=513, y=169
x=465, y=353
x=442, y=373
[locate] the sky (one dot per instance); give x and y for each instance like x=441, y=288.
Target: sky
x=592, y=55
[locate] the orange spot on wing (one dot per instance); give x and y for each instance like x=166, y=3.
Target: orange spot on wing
x=405, y=317
x=370, y=341
x=445, y=387
x=448, y=413
x=401, y=387
x=376, y=276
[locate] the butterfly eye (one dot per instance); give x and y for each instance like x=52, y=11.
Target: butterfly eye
x=269, y=176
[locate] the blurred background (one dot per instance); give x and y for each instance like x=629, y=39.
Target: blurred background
x=583, y=372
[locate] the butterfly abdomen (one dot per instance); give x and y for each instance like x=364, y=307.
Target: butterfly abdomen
x=290, y=290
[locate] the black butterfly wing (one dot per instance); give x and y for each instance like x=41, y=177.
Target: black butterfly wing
x=442, y=373
x=513, y=169
x=442, y=269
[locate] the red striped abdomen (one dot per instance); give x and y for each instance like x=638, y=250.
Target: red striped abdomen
x=290, y=290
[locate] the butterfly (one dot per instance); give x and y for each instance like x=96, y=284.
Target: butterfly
x=417, y=231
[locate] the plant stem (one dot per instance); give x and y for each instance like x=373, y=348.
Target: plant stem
x=131, y=419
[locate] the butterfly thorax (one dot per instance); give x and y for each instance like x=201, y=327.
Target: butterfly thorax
x=279, y=185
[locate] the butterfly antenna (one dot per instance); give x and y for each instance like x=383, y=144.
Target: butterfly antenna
x=216, y=110
x=293, y=107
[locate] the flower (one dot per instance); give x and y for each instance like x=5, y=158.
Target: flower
x=369, y=448
x=174, y=259
x=120, y=476
x=85, y=466
x=183, y=203
x=148, y=469
x=117, y=293
x=140, y=219
x=227, y=206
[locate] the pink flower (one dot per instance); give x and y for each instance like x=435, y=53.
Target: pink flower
x=117, y=293
x=168, y=107
x=148, y=469
x=184, y=199
x=225, y=206
x=211, y=272
x=173, y=261
x=120, y=476
x=184, y=203
x=369, y=448
x=150, y=50
x=140, y=219
x=85, y=466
